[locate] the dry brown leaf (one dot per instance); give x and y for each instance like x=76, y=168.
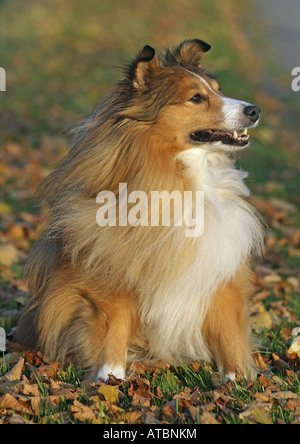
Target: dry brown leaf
x=47, y=371
x=15, y=402
x=278, y=362
x=217, y=379
x=83, y=412
x=265, y=319
x=158, y=393
x=111, y=409
x=152, y=367
x=34, y=358
x=134, y=416
x=169, y=411
x=294, y=405
x=54, y=386
x=257, y=414
x=12, y=358
x=5, y=386
x=8, y=254
x=262, y=397
x=184, y=399
x=264, y=381
x=140, y=391
x=16, y=232
x=285, y=395
x=150, y=419
x=260, y=362
x=194, y=411
x=16, y=372
x=208, y=418
x=18, y=419
x=62, y=394
x=30, y=389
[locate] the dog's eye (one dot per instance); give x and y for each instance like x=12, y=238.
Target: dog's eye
x=197, y=98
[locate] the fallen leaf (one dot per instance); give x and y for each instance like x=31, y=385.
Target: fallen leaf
x=265, y=319
x=140, y=391
x=16, y=372
x=18, y=419
x=5, y=385
x=169, y=411
x=283, y=205
x=285, y=395
x=194, y=411
x=5, y=208
x=8, y=254
x=293, y=404
x=109, y=393
x=47, y=371
x=15, y=402
x=262, y=397
x=208, y=418
x=295, y=347
x=264, y=381
x=294, y=361
x=30, y=389
x=16, y=232
x=256, y=413
x=184, y=400
x=134, y=416
x=83, y=412
x=278, y=362
x=272, y=279
x=150, y=419
x=217, y=379
x=12, y=358
x=260, y=362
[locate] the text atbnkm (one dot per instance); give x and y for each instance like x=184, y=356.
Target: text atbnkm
x=2, y=79
x=296, y=80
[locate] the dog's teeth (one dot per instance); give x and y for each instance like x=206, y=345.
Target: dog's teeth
x=235, y=135
x=245, y=132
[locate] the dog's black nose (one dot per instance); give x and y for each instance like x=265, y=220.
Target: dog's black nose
x=253, y=112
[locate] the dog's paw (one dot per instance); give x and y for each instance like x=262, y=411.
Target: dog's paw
x=230, y=377
x=107, y=370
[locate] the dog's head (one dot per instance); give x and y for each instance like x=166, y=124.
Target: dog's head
x=173, y=93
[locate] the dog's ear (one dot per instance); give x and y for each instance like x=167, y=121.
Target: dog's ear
x=191, y=51
x=141, y=68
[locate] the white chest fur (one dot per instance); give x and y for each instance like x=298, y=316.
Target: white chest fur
x=231, y=233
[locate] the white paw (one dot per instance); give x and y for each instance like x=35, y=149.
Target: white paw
x=104, y=372
x=230, y=377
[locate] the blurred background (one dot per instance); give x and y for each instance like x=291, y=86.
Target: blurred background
x=62, y=56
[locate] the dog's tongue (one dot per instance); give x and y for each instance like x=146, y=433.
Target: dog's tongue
x=223, y=133
x=227, y=137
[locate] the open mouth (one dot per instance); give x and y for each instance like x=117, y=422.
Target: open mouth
x=234, y=138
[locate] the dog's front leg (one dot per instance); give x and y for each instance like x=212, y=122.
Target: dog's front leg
x=227, y=327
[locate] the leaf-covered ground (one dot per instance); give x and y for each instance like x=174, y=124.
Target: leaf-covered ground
x=58, y=66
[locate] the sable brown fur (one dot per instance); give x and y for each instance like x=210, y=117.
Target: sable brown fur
x=95, y=292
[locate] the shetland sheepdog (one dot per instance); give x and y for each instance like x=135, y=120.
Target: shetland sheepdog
x=104, y=296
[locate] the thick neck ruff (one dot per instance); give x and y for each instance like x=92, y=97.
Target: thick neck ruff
x=176, y=309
